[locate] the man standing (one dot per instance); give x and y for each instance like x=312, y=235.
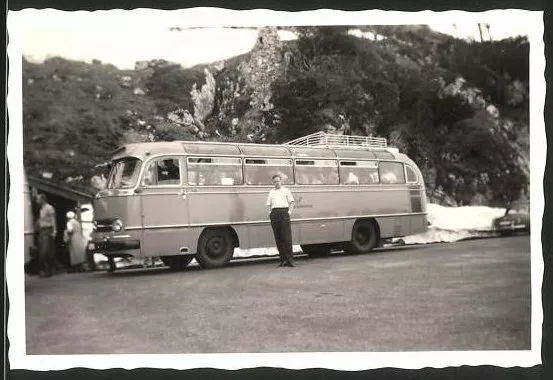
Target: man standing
x=46, y=233
x=281, y=204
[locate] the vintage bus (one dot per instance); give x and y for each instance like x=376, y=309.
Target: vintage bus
x=181, y=199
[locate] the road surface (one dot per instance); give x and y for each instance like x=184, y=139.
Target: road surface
x=470, y=295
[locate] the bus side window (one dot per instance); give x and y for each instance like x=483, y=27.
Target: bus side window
x=259, y=171
x=168, y=172
x=391, y=172
x=214, y=171
x=411, y=174
x=316, y=172
x=150, y=178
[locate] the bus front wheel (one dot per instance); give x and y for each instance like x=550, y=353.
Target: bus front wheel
x=215, y=248
x=364, y=237
x=176, y=262
x=316, y=250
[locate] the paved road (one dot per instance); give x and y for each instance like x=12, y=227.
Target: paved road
x=471, y=295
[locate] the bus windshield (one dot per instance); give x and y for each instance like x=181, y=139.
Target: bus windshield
x=124, y=173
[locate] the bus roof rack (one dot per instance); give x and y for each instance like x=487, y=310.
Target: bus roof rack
x=332, y=140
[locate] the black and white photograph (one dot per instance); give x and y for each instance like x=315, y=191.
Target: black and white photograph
x=235, y=189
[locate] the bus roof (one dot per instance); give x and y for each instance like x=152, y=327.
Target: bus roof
x=143, y=150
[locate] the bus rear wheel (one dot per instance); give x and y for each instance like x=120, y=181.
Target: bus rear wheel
x=364, y=237
x=178, y=262
x=215, y=248
x=316, y=250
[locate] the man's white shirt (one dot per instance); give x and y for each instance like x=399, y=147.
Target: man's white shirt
x=279, y=198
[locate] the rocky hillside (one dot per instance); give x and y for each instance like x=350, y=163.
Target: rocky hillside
x=459, y=109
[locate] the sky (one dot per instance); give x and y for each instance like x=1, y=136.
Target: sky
x=129, y=43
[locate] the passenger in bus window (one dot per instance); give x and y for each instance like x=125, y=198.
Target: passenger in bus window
x=389, y=177
x=303, y=179
x=374, y=177
x=201, y=179
x=352, y=179
x=168, y=172
x=281, y=204
x=315, y=181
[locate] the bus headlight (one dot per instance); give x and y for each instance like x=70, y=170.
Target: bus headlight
x=117, y=225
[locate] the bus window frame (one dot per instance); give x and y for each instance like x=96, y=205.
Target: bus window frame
x=396, y=183
x=240, y=164
x=356, y=161
x=334, y=160
x=156, y=158
x=289, y=159
x=407, y=166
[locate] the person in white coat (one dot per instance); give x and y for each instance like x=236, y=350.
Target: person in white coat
x=73, y=237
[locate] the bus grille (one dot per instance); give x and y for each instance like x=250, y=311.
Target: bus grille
x=104, y=225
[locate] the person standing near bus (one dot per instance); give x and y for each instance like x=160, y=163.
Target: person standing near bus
x=46, y=233
x=281, y=204
x=73, y=237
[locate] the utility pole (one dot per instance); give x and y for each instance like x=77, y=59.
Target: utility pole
x=489, y=34
x=480, y=30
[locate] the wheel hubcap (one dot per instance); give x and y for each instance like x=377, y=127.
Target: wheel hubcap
x=363, y=236
x=216, y=246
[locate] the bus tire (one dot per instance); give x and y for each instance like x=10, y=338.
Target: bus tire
x=316, y=250
x=215, y=248
x=364, y=237
x=177, y=262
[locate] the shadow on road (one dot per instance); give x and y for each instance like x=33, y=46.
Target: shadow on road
x=299, y=257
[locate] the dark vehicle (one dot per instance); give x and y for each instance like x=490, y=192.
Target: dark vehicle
x=516, y=219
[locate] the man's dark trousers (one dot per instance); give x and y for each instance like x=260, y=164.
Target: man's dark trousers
x=280, y=221
x=46, y=251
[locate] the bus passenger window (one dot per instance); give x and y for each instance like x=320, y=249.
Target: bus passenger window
x=168, y=172
x=215, y=171
x=260, y=171
x=391, y=172
x=411, y=174
x=316, y=172
x=351, y=179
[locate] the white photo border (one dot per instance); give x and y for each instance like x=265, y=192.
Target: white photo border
x=19, y=21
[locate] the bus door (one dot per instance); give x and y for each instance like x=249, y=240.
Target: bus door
x=165, y=211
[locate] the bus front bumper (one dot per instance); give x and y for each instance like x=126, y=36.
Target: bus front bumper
x=114, y=245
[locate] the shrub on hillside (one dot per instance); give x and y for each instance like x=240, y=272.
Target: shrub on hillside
x=172, y=132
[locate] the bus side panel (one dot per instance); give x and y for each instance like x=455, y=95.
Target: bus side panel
x=261, y=235
x=355, y=202
x=419, y=224
x=243, y=234
x=394, y=226
x=220, y=207
x=312, y=232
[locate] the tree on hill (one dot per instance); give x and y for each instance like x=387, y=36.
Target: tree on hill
x=170, y=86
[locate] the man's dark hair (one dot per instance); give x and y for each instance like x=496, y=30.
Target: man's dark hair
x=275, y=176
